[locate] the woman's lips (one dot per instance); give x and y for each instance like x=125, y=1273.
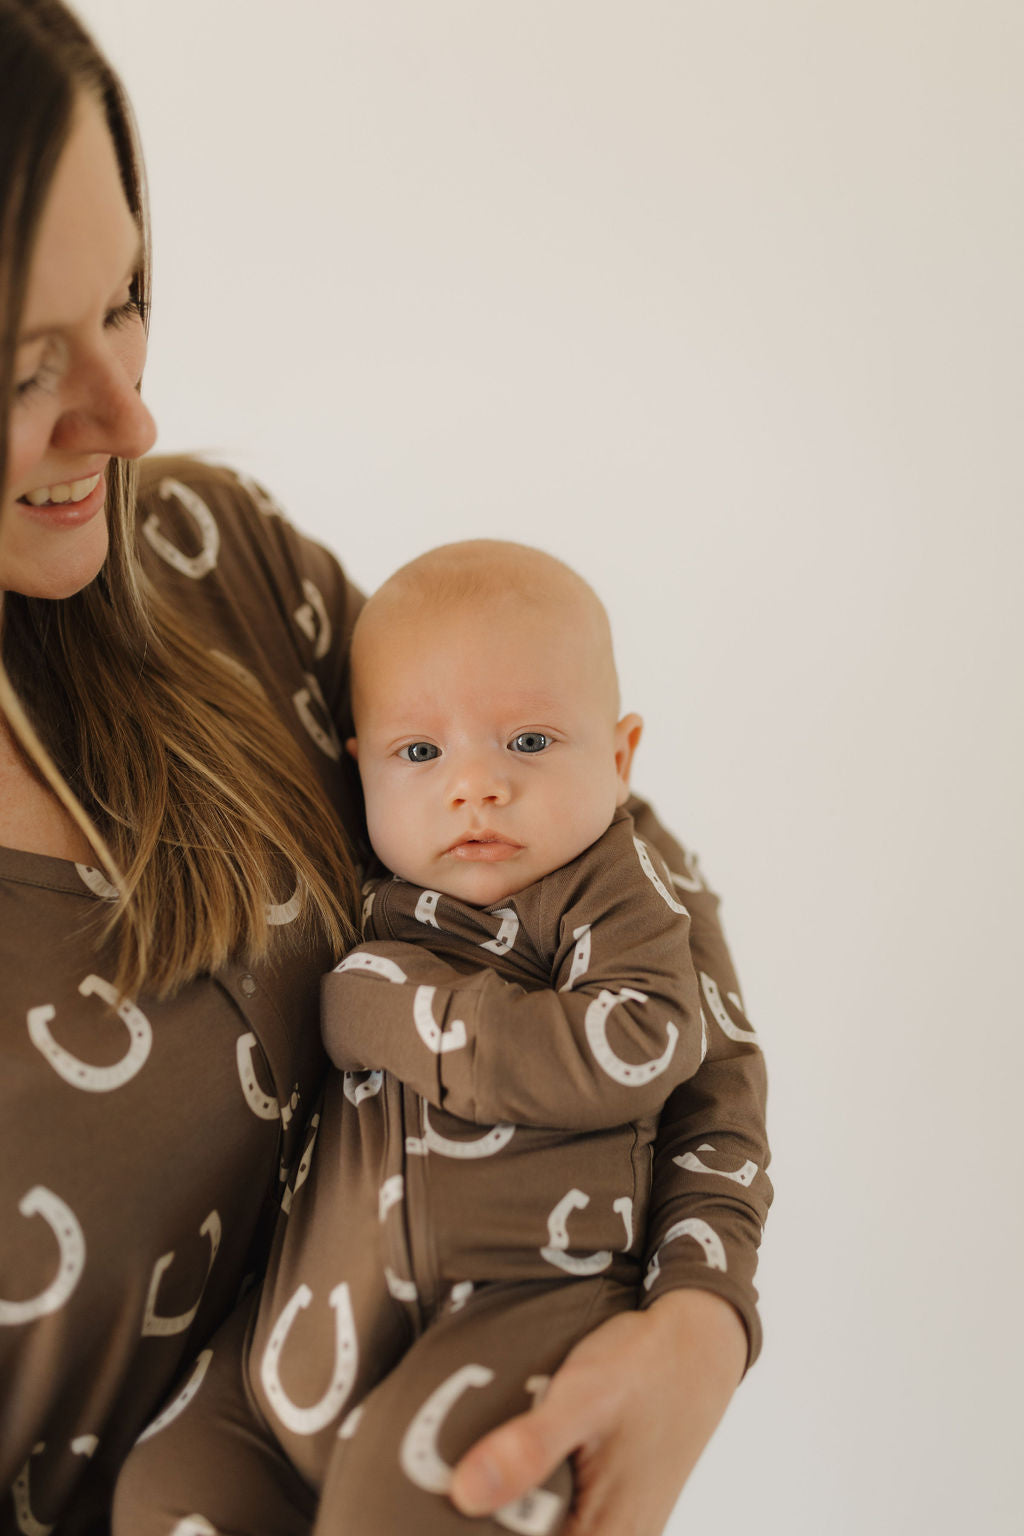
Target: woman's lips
x=485, y=849
x=68, y=514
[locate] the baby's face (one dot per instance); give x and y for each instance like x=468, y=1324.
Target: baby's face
x=488, y=746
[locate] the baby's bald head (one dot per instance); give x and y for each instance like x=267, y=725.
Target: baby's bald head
x=498, y=582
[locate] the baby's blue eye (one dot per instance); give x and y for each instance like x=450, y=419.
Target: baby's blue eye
x=529, y=741
x=420, y=752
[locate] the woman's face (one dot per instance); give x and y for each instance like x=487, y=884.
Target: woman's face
x=79, y=359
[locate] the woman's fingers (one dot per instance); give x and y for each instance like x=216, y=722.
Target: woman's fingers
x=521, y=1454
x=634, y=1404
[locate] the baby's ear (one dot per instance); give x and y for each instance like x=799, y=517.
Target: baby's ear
x=627, y=738
x=352, y=748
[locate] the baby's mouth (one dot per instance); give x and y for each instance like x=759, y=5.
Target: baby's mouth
x=485, y=848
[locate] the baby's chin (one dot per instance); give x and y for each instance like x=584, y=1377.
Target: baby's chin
x=478, y=885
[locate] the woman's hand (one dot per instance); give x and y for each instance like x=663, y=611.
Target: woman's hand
x=634, y=1404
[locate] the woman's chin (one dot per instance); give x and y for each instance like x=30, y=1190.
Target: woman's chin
x=51, y=565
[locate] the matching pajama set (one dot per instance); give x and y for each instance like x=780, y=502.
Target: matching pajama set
x=146, y=1150
x=477, y=1199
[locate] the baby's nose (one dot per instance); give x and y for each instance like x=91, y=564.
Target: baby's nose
x=478, y=780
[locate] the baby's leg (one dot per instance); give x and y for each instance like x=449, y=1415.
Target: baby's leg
x=479, y=1364
x=206, y=1463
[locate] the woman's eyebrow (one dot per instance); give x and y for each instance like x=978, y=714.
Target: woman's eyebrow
x=47, y=329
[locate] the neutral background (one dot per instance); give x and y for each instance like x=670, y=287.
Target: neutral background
x=723, y=303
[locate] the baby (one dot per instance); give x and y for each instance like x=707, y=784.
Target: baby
x=523, y=1004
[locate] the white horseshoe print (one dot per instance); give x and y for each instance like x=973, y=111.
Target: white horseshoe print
x=377, y=965
x=558, y=1239
x=302, y=1172
x=506, y=936
x=720, y=1013
x=350, y=1423
x=391, y=1193
x=194, y=1525
x=281, y=913
x=79, y=1073
x=189, y=565
x=97, y=882
x=706, y=1236
x=261, y=1104
x=368, y=901
x=532, y=1515
x=439, y=1040
x=624, y=1207
x=646, y=864
x=27, y=1522
x=265, y=503
x=64, y=1225
x=312, y=619
x=580, y=957
x=325, y=739
x=426, y=908
x=629, y=1074
x=84, y=1445
x=418, y=1455
x=690, y=1161
x=371, y=1084
x=184, y=1397
x=288, y=1110
x=487, y=1145
x=307, y=1421
x=162, y=1327
x=693, y=880
x=401, y=1290
x=459, y=1294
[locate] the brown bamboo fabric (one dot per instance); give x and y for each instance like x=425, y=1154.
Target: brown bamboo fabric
x=144, y=1151
x=476, y=1201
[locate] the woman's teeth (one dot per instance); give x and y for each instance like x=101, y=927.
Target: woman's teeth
x=73, y=490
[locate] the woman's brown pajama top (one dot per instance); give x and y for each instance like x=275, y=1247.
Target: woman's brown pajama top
x=144, y=1148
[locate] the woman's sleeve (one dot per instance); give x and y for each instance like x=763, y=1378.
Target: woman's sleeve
x=711, y=1190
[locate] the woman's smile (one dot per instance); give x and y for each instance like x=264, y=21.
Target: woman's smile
x=67, y=504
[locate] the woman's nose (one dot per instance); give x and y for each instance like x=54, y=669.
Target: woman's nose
x=109, y=416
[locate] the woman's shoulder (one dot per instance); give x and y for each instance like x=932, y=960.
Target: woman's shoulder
x=207, y=532
x=194, y=514
x=215, y=544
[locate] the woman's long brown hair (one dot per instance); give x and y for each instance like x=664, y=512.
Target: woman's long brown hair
x=188, y=786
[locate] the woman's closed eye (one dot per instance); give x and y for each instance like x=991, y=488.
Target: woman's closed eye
x=43, y=380
x=51, y=367
x=420, y=752
x=125, y=314
x=529, y=741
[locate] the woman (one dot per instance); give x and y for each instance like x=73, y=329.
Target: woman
x=173, y=882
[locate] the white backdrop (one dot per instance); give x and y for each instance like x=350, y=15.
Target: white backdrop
x=722, y=303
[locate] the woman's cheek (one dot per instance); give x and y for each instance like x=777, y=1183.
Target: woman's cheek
x=130, y=345
x=28, y=439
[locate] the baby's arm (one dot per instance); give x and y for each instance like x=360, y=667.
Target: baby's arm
x=617, y=1029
